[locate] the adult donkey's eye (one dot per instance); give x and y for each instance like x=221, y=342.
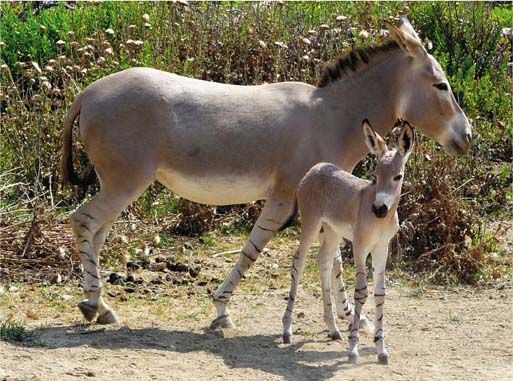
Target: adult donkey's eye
x=398, y=177
x=441, y=86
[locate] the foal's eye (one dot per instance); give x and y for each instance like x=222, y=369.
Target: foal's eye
x=398, y=177
x=441, y=86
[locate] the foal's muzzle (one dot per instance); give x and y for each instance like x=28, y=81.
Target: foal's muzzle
x=380, y=211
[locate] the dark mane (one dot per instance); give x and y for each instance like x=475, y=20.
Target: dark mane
x=352, y=62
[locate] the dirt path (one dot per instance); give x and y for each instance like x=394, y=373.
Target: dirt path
x=462, y=334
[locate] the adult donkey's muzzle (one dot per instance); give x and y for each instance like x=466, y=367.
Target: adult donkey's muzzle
x=380, y=211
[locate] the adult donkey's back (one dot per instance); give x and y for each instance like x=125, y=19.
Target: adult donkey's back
x=224, y=144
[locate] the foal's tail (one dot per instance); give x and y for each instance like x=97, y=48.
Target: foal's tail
x=292, y=218
x=69, y=176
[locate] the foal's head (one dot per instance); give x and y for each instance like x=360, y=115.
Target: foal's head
x=426, y=98
x=389, y=172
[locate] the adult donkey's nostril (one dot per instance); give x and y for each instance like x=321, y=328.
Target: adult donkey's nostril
x=380, y=211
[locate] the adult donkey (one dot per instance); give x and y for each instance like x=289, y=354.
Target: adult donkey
x=223, y=144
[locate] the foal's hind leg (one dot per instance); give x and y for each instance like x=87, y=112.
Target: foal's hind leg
x=325, y=261
x=91, y=223
x=309, y=228
x=273, y=216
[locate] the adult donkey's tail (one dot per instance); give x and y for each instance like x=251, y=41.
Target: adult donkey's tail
x=69, y=176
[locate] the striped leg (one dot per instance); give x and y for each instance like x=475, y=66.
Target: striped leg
x=344, y=309
x=272, y=218
x=91, y=224
x=325, y=261
x=296, y=272
x=379, y=260
x=360, y=296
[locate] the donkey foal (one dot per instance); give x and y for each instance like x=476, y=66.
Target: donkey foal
x=359, y=210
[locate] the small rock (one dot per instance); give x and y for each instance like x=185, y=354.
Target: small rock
x=66, y=297
x=182, y=267
x=160, y=259
x=194, y=272
x=112, y=293
x=130, y=265
x=202, y=283
x=156, y=240
x=115, y=278
x=157, y=280
x=130, y=290
x=160, y=266
x=145, y=263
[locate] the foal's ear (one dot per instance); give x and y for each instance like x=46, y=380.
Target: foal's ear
x=406, y=37
x=406, y=140
x=375, y=142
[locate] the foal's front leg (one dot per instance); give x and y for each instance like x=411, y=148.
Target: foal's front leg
x=360, y=296
x=379, y=260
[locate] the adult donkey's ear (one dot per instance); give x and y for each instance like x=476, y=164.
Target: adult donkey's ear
x=375, y=142
x=406, y=139
x=406, y=37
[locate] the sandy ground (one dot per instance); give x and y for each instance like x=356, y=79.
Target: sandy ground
x=461, y=334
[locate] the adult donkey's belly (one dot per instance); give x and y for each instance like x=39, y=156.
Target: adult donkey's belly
x=216, y=190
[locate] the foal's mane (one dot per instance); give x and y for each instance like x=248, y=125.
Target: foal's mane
x=353, y=62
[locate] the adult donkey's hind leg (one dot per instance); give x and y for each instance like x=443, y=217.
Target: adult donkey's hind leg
x=274, y=215
x=91, y=223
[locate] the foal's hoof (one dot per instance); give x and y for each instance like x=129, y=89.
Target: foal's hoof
x=222, y=322
x=287, y=338
x=87, y=310
x=335, y=335
x=108, y=317
x=353, y=358
x=383, y=359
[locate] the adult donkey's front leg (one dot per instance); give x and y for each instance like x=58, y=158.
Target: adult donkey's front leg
x=273, y=217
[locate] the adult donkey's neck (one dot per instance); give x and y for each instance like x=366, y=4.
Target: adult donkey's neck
x=372, y=92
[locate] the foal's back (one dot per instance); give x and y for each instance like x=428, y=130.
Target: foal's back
x=332, y=194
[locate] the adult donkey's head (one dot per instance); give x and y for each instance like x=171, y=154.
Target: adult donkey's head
x=426, y=99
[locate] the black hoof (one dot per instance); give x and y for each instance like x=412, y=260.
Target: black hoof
x=335, y=335
x=87, y=310
x=287, y=339
x=222, y=322
x=108, y=318
x=383, y=359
